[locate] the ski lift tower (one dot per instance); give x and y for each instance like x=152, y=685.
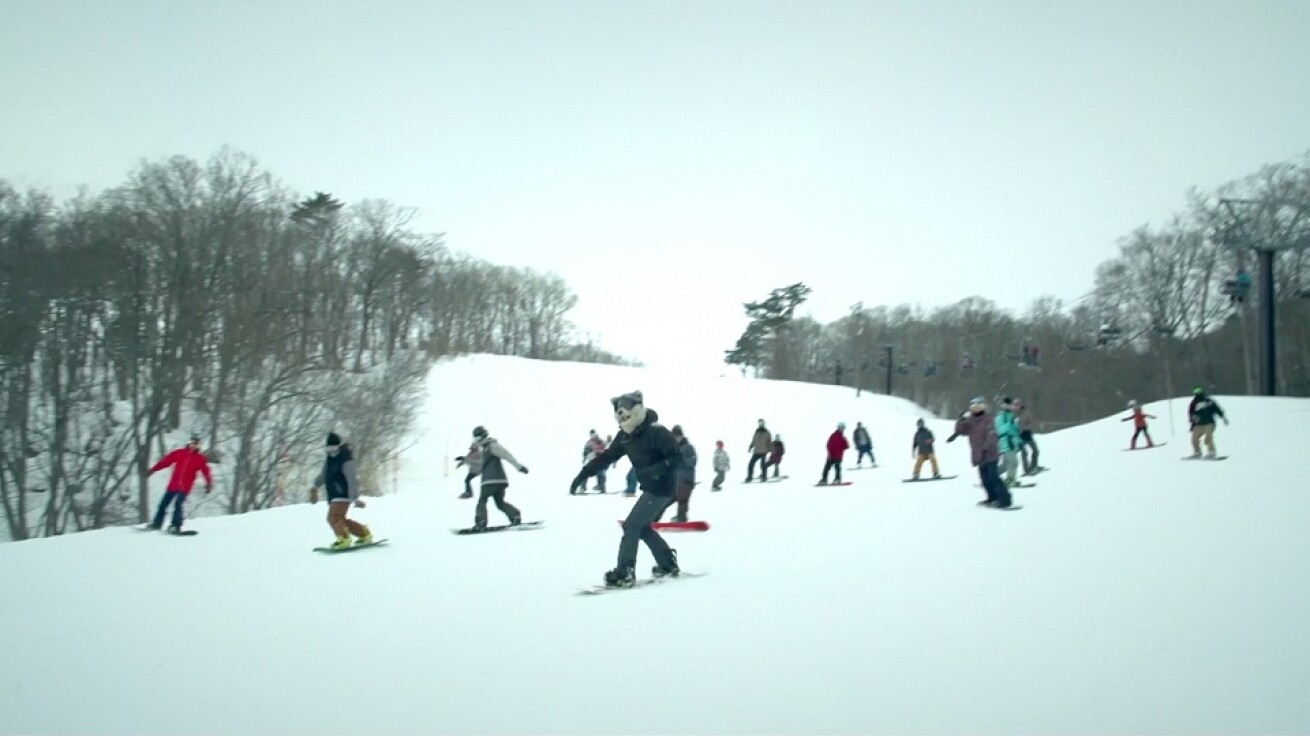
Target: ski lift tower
x=1239, y=235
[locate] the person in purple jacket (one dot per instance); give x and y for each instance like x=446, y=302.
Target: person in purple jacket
x=981, y=431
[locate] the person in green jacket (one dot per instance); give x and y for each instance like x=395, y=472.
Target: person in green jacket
x=1008, y=440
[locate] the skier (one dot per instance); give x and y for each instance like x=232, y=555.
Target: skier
x=187, y=462
x=837, y=447
x=721, y=465
x=922, y=450
x=654, y=454
x=775, y=456
x=1028, y=443
x=473, y=461
x=1202, y=412
x=863, y=444
x=1138, y=418
x=494, y=480
x=338, y=477
x=685, y=474
x=593, y=447
x=981, y=431
x=759, y=450
x=1007, y=433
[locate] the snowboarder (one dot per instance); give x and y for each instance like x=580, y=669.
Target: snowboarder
x=338, y=477
x=593, y=447
x=1028, y=443
x=863, y=444
x=721, y=465
x=981, y=431
x=775, y=456
x=837, y=447
x=187, y=462
x=922, y=450
x=473, y=461
x=759, y=450
x=1138, y=418
x=1007, y=433
x=1202, y=412
x=494, y=480
x=685, y=472
x=654, y=453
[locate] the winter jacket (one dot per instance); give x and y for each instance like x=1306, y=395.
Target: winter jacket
x=1007, y=432
x=983, y=443
x=1138, y=418
x=594, y=446
x=861, y=437
x=473, y=460
x=494, y=457
x=187, y=464
x=720, y=460
x=837, y=445
x=686, y=470
x=775, y=456
x=651, y=448
x=760, y=441
x=338, y=476
x=1204, y=411
x=923, y=440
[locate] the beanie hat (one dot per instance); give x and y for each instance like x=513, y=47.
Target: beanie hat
x=718, y=443
x=677, y=430
x=333, y=439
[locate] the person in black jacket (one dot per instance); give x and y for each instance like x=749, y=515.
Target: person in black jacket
x=686, y=473
x=1202, y=412
x=655, y=456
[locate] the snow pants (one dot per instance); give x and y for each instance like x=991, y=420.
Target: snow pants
x=342, y=526
x=763, y=459
x=495, y=493
x=637, y=527
x=926, y=456
x=171, y=497
x=997, y=492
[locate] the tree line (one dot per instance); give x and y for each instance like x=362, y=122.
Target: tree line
x=207, y=297
x=1175, y=308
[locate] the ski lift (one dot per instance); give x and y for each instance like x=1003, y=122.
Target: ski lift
x=1237, y=289
x=1108, y=333
x=967, y=350
x=1030, y=353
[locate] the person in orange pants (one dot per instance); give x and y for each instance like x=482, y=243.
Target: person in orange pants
x=923, y=450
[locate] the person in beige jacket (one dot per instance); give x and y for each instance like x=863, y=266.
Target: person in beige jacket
x=760, y=447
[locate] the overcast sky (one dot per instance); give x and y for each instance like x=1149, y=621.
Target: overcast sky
x=671, y=160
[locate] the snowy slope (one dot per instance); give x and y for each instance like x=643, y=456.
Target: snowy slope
x=1134, y=593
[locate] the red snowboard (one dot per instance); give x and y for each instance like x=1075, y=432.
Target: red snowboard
x=680, y=526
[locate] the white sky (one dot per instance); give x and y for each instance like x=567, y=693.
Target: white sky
x=672, y=160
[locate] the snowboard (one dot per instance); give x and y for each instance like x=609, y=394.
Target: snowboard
x=825, y=485
x=926, y=480
x=770, y=480
x=183, y=533
x=1211, y=459
x=351, y=548
x=1145, y=447
x=641, y=583
x=525, y=526
x=860, y=467
x=679, y=526
x=1016, y=485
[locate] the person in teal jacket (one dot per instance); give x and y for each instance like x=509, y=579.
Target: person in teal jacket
x=1008, y=440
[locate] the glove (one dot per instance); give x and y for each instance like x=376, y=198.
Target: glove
x=578, y=482
x=313, y=495
x=523, y=469
x=1225, y=421
x=208, y=489
x=951, y=438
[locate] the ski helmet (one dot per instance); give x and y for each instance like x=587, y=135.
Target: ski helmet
x=479, y=432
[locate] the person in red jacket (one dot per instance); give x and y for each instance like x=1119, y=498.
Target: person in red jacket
x=187, y=462
x=837, y=447
x=1138, y=418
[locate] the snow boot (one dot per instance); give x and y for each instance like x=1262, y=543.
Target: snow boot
x=672, y=571
x=341, y=543
x=620, y=577
x=366, y=539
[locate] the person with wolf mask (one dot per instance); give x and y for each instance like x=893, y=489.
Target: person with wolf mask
x=655, y=456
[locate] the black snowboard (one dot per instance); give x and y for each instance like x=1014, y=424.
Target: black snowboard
x=525, y=526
